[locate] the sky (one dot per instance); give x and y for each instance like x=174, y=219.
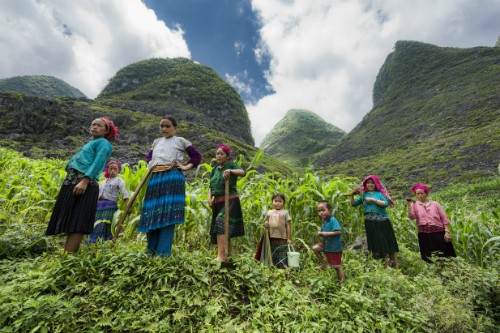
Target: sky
x=320, y=55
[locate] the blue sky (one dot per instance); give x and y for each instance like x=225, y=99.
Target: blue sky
x=221, y=34
x=320, y=55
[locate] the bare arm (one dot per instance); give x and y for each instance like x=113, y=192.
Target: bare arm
x=210, y=202
x=183, y=167
x=411, y=212
x=236, y=172
x=329, y=233
x=81, y=187
x=380, y=203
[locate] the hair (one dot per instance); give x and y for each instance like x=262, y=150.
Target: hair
x=172, y=119
x=367, y=179
x=279, y=195
x=112, y=129
x=106, y=173
x=224, y=148
x=328, y=204
x=422, y=187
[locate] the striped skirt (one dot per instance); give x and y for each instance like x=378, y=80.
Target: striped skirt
x=380, y=235
x=164, y=201
x=236, y=227
x=74, y=214
x=279, y=250
x=104, y=216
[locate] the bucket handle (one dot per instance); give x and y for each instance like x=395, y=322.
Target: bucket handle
x=290, y=246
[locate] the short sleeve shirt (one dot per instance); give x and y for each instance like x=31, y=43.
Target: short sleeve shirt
x=332, y=243
x=277, y=223
x=167, y=151
x=110, y=189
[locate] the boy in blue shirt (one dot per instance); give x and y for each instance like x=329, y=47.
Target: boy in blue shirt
x=331, y=245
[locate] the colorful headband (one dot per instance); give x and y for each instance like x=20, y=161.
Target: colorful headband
x=106, y=174
x=112, y=129
x=226, y=149
x=378, y=185
x=420, y=186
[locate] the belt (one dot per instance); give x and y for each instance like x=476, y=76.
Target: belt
x=161, y=168
x=220, y=198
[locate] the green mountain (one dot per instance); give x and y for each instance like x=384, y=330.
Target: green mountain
x=40, y=86
x=436, y=119
x=182, y=88
x=299, y=137
x=209, y=112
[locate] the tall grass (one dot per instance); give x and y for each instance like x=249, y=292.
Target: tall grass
x=117, y=287
x=28, y=189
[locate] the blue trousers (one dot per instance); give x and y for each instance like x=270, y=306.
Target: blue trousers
x=160, y=241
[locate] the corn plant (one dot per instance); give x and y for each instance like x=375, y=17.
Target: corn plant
x=28, y=189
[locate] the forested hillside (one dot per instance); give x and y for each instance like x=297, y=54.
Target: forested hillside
x=182, y=88
x=300, y=137
x=436, y=119
x=40, y=86
x=208, y=109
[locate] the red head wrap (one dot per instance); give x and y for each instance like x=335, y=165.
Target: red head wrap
x=378, y=186
x=106, y=174
x=112, y=129
x=420, y=186
x=226, y=149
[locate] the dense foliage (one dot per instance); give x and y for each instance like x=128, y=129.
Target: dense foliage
x=40, y=86
x=300, y=137
x=117, y=287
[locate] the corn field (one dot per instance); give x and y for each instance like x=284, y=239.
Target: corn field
x=118, y=287
x=28, y=189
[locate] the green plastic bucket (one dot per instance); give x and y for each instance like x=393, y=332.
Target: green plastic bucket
x=293, y=257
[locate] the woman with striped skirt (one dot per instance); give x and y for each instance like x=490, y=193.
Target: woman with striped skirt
x=107, y=205
x=165, y=198
x=231, y=171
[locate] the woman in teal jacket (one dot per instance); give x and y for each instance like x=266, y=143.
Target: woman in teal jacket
x=75, y=207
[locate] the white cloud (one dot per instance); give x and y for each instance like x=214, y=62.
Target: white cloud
x=239, y=47
x=325, y=54
x=238, y=82
x=82, y=42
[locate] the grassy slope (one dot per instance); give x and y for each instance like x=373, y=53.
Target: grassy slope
x=117, y=287
x=299, y=137
x=39, y=86
x=436, y=119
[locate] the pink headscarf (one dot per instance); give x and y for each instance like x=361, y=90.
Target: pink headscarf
x=106, y=174
x=226, y=149
x=378, y=186
x=420, y=186
x=112, y=129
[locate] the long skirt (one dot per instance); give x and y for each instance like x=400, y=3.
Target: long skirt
x=433, y=244
x=74, y=213
x=163, y=207
x=279, y=250
x=104, y=216
x=380, y=235
x=236, y=227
